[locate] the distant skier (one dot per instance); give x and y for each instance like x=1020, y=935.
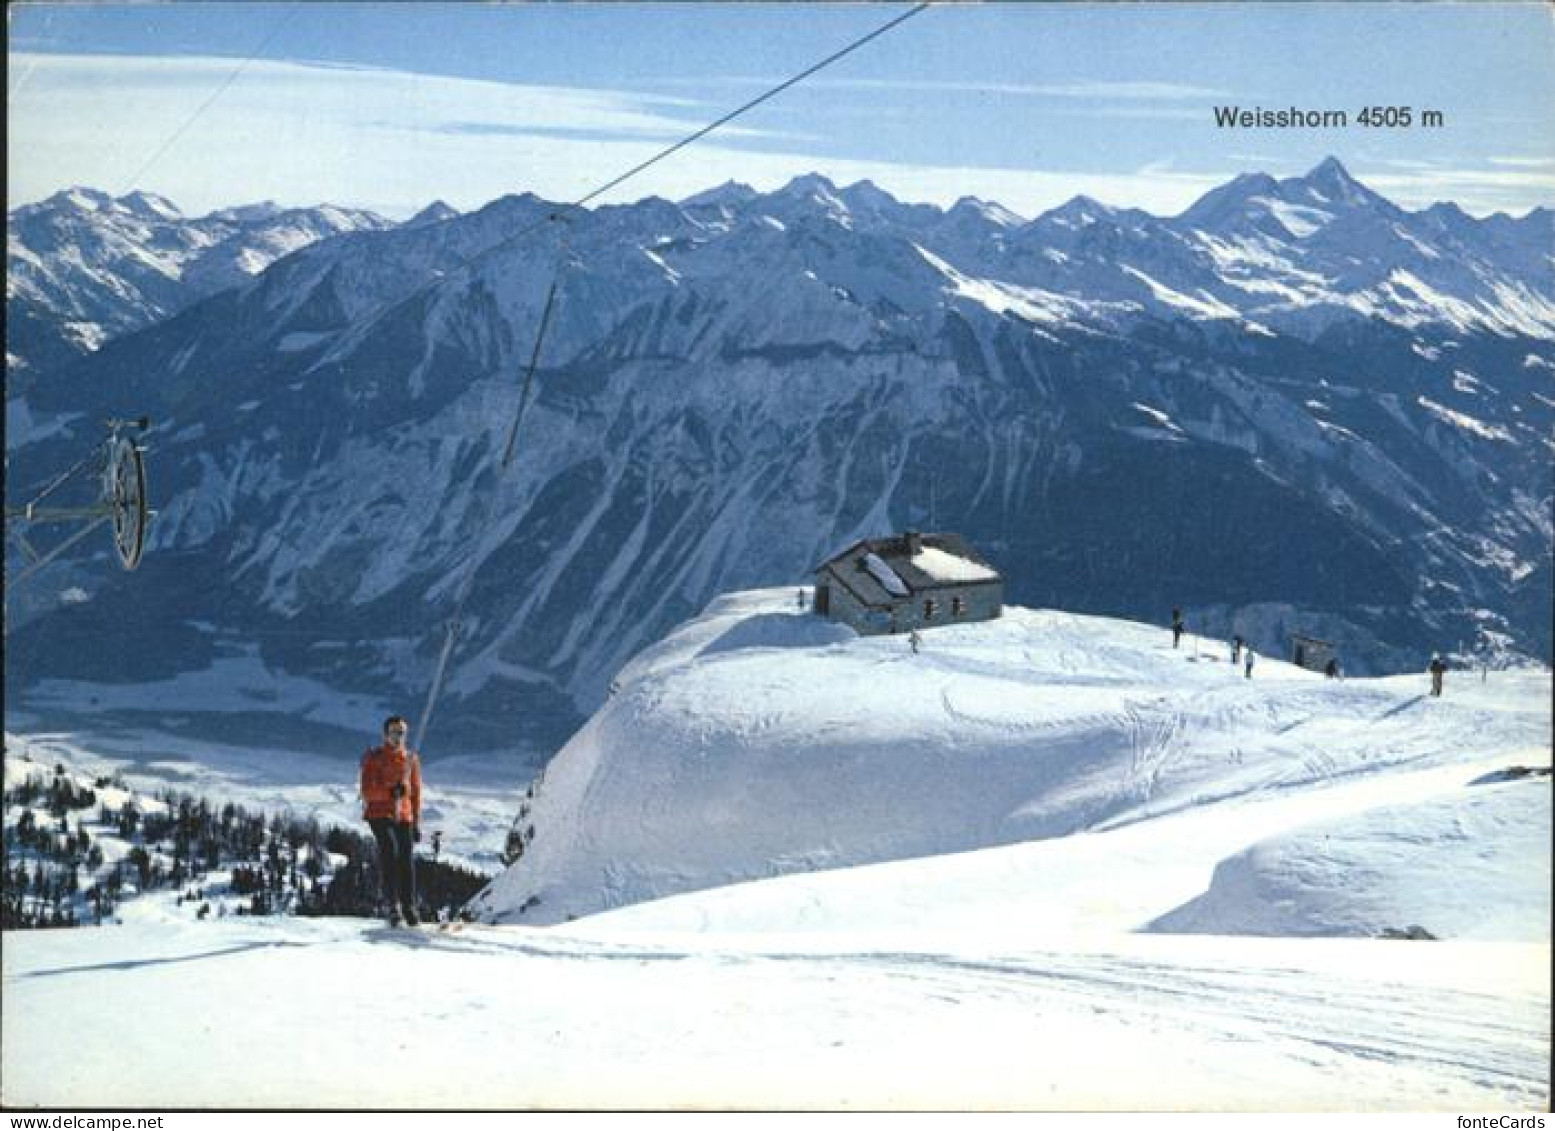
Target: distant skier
x=1249, y=658
x=1236, y=650
x=1177, y=627
x=1438, y=669
x=915, y=640
x=1332, y=670
x=391, y=793
x=801, y=600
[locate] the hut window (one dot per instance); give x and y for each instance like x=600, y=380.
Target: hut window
x=958, y=606
x=930, y=606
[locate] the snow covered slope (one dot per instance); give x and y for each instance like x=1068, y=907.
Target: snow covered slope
x=760, y=740
x=1151, y=952
x=589, y=1018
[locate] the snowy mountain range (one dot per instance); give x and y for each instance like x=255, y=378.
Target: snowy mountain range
x=1295, y=407
x=84, y=267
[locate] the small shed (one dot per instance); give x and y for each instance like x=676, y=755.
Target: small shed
x=908, y=581
x=1311, y=653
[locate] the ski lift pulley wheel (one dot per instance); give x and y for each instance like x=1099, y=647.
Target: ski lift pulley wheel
x=124, y=489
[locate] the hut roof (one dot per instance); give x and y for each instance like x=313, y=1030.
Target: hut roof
x=907, y=564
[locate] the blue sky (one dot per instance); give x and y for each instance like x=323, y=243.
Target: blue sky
x=390, y=106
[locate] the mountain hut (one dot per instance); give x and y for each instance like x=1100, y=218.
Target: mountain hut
x=1310, y=653
x=908, y=581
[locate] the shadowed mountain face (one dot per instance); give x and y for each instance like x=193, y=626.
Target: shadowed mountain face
x=1295, y=407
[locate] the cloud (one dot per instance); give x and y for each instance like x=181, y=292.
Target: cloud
x=667, y=132
x=1159, y=113
x=392, y=141
x=1477, y=190
x=1142, y=91
x=1145, y=91
x=1524, y=162
x=303, y=133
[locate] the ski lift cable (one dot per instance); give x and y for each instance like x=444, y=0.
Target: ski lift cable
x=561, y=214
x=467, y=582
x=529, y=377
x=751, y=105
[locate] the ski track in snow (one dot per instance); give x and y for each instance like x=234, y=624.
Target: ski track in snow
x=516, y=1017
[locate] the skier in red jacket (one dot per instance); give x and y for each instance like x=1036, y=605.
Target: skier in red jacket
x=391, y=796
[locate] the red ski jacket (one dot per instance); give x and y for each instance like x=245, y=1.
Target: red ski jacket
x=383, y=768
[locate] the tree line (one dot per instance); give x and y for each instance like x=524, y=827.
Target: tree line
x=225, y=860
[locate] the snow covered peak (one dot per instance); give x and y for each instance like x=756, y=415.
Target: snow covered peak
x=151, y=205
x=1079, y=212
x=867, y=190
x=81, y=198
x=866, y=196
x=1256, y=205
x=508, y=214
x=809, y=184
x=1332, y=183
x=1082, y=217
x=1215, y=207
x=988, y=210
x=522, y=203
x=1447, y=214
x=732, y=194
x=249, y=213
x=814, y=189
x=434, y=213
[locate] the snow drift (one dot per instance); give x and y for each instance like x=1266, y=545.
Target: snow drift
x=760, y=740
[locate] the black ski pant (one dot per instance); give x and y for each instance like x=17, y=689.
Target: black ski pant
x=396, y=860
